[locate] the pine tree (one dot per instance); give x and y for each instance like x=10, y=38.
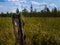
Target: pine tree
x=54, y=10
x=31, y=10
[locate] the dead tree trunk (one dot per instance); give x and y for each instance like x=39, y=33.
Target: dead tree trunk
x=18, y=29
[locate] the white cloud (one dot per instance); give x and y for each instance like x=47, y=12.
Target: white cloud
x=13, y=0
x=7, y=9
x=38, y=3
x=17, y=2
x=13, y=10
x=34, y=2
x=1, y=6
x=53, y=5
x=13, y=6
x=43, y=3
x=23, y=1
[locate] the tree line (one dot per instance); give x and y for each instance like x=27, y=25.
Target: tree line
x=43, y=13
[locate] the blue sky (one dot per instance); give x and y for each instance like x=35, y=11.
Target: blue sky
x=11, y=5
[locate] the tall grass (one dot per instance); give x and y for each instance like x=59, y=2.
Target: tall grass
x=42, y=31
x=38, y=31
x=6, y=31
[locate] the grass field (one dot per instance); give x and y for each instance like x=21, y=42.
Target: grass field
x=40, y=27
x=37, y=30
x=6, y=31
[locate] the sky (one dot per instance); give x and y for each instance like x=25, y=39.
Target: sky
x=12, y=5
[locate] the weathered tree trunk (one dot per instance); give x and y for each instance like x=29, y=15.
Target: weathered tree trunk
x=18, y=29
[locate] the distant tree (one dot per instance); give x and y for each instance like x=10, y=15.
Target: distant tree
x=35, y=10
x=42, y=11
x=31, y=11
x=31, y=8
x=54, y=10
x=45, y=12
x=2, y=13
x=46, y=9
x=11, y=13
x=7, y=13
x=24, y=10
x=17, y=10
x=58, y=13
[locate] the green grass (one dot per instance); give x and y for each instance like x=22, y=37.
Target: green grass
x=6, y=31
x=42, y=25
x=38, y=27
